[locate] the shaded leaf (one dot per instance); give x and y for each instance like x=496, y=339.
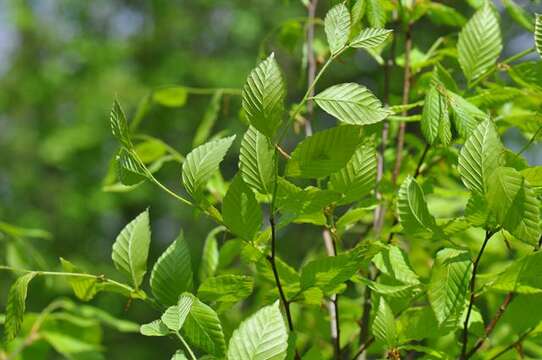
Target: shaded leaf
x=154, y=328
x=208, y=120
x=241, y=212
x=210, y=255
x=412, y=209
x=84, y=288
x=15, y=306
x=119, y=125
x=375, y=13
x=256, y=161
x=384, y=327
x=226, y=288
x=172, y=96
x=131, y=248
x=172, y=273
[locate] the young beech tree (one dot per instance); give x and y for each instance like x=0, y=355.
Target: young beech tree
x=428, y=225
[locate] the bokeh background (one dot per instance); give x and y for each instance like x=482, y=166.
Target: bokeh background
x=62, y=62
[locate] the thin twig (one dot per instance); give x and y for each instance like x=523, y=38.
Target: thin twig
x=513, y=345
x=472, y=287
x=406, y=96
x=491, y=326
x=311, y=60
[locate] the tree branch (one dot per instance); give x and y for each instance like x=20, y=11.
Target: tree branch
x=472, y=287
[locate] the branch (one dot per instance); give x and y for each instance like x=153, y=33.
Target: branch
x=472, y=287
x=491, y=326
x=311, y=60
x=513, y=345
x=406, y=96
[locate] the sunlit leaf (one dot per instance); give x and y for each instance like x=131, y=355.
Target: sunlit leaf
x=337, y=27
x=256, y=161
x=241, y=212
x=370, y=38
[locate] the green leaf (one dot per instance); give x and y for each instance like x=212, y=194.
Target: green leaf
x=466, y=116
x=477, y=212
x=480, y=156
x=441, y=14
x=209, y=119
x=515, y=204
x=376, y=14
x=256, y=161
x=84, y=288
x=435, y=117
x=210, y=255
x=226, y=288
x=130, y=167
x=384, y=328
x=263, y=97
x=154, y=328
x=263, y=336
x=538, y=33
x=448, y=285
x=394, y=263
x=179, y=355
x=241, y=212
x=370, y=38
x=119, y=125
x=172, y=273
x=523, y=276
x=412, y=209
x=202, y=163
x=480, y=43
x=202, y=328
x=172, y=96
x=325, y=152
x=15, y=306
x=358, y=177
x=351, y=103
x=175, y=316
x=337, y=27
x=533, y=175
x=131, y=248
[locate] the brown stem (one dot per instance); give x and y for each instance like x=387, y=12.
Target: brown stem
x=311, y=61
x=491, y=326
x=472, y=287
x=406, y=95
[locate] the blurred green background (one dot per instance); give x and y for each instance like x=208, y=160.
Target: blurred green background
x=62, y=62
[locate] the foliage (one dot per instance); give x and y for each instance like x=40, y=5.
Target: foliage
x=425, y=225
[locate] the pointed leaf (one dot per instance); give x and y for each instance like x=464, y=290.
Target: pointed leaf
x=15, y=306
x=241, y=212
x=384, y=327
x=202, y=162
x=480, y=156
x=466, y=116
x=376, y=14
x=131, y=248
x=119, y=125
x=515, y=204
x=263, y=97
x=523, y=276
x=448, y=285
x=202, y=329
x=394, y=263
x=351, y=103
x=226, y=288
x=155, y=328
x=370, y=38
x=263, y=336
x=480, y=43
x=337, y=27
x=256, y=161
x=175, y=316
x=84, y=288
x=210, y=255
x=358, y=177
x=412, y=209
x=324, y=152
x=172, y=273
x=435, y=118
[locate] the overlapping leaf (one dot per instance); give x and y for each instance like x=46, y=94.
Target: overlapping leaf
x=226, y=288
x=131, y=248
x=375, y=13
x=119, y=125
x=466, y=116
x=172, y=273
x=154, y=328
x=202, y=329
x=202, y=162
x=412, y=209
x=256, y=161
x=263, y=97
x=337, y=27
x=358, y=177
x=84, y=288
x=175, y=316
x=352, y=103
x=325, y=152
x=394, y=263
x=448, y=285
x=210, y=255
x=435, y=117
x=263, y=336
x=515, y=204
x=241, y=212
x=480, y=156
x=523, y=276
x=480, y=43
x=538, y=33
x=384, y=327
x=370, y=38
